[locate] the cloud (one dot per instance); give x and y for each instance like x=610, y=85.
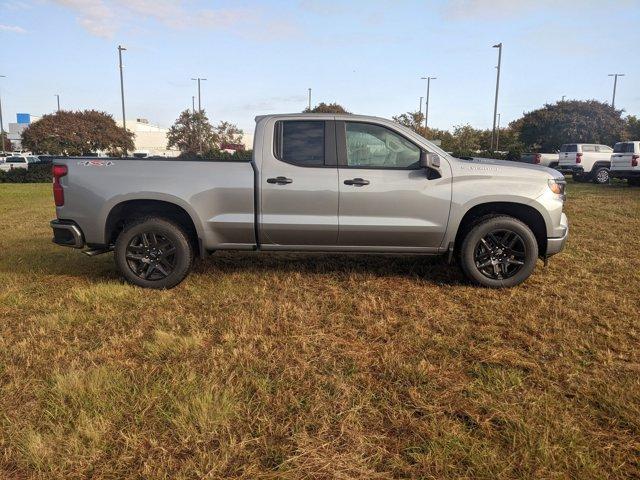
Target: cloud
x=104, y=18
x=12, y=29
x=469, y=9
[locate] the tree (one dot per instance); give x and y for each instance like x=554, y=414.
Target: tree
x=547, y=128
x=412, y=120
x=192, y=133
x=77, y=133
x=326, y=108
x=5, y=143
x=633, y=128
x=227, y=133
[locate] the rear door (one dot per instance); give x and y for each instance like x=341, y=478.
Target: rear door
x=567, y=155
x=299, y=184
x=622, y=155
x=387, y=201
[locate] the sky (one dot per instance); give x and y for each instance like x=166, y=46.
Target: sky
x=261, y=56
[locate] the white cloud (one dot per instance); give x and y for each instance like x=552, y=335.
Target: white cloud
x=487, y=9
x=12, y=29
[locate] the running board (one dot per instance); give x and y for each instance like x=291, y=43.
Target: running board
x=96, y=251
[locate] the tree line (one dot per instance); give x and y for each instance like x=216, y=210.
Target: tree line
x=541, y=130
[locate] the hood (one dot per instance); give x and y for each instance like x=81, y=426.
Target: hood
x=493, y=166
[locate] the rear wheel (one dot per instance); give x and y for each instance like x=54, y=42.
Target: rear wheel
x=498, y=252
x=153, y=253
x=601, y=176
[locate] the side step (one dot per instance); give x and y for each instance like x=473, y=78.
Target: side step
x=96, y=251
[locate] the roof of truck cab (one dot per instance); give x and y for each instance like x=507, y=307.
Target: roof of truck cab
x=338, y=116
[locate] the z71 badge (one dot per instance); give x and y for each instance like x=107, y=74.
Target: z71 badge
x=96, y=163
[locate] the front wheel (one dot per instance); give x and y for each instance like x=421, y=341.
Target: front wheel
x=498, y=252
x=153, y=253
x=601, y=176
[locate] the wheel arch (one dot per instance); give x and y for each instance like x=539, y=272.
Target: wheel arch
x=527, y=214
x=127, y=210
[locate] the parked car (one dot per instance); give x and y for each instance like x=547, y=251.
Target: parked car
x=625, y=162
x=328, y=183
x=18, y=161
x=585, y=162
x=545, y=159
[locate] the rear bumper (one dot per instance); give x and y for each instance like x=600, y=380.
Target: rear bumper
x=572, y=169
x=67, y=234
x=624, y=173
x=557, y=244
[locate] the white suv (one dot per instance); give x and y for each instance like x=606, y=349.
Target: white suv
x=625, y=162
x=585, y=161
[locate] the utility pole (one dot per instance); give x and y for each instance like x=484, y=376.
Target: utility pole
x=495, y=106
x=498, y=134
x=2, y=137
x=426, y=105
x=199, y=79
x=124, y=120
x=58, y=97
x=309, y=99
x=615, y=85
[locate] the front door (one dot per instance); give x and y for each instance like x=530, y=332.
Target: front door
x=386, y=198
x=299, y=185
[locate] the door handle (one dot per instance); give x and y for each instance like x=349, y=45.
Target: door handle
x=279, y=180
x=358, y=182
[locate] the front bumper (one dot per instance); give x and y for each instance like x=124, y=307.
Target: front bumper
x=67, y=234
x=572, y=169
x=556, y=244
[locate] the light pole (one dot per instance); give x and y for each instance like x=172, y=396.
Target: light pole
x=426, y=104
x=193, y=104
x=615, y=85
x=495, y=106
x=199, y=79
x=124, y=120
x=309, y=99
x=420, y=110
x=1, y=122
x=498, y=134
x=58, y=98
x=563, y=97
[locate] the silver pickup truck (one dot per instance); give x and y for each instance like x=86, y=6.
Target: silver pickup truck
x=316, y=182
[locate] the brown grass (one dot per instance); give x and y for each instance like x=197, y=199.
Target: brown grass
x=315, y=366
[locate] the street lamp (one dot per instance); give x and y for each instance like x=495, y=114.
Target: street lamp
x=120, y=50
x=420, y=110
x=58, y=98
x=495, y=107
x=309, y=99
x=426, y=106
x=615, y=85
x=198, y=79
x=498, y=134
x=1, y=122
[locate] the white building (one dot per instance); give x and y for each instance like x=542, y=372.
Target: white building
x=150, y=139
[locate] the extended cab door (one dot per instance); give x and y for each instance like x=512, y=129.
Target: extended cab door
x=387, y=201
x=299, y=184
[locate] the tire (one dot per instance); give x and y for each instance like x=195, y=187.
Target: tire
x=490, y=232
x=153, y=253
x=580, y=178
x=601, y=176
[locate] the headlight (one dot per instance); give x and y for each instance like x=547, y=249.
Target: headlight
x=557, y=186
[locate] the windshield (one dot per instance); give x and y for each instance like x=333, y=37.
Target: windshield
x=623, y=147
x=569, y=148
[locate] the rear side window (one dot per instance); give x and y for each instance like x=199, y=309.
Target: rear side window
x=16, y=160
x=588, y=148
x=623, y=147
x=603, y=149
x=301, y=142
x=569, y=148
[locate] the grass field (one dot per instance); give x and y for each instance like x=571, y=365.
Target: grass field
x=314, y=366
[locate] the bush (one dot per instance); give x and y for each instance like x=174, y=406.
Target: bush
x=36, y=173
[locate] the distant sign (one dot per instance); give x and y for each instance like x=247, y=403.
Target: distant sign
x=23, y=118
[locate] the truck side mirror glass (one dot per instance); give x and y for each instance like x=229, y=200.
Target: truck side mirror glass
x=429, y=160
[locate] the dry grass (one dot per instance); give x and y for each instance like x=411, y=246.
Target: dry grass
x=282, y=366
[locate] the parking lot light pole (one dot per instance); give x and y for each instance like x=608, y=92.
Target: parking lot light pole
x=58, y=98
x=615, y=85
x=495, y=106
x=498, y=134
x=1, y=122
x=120, y=50
x=426, y=105
x=199, y=79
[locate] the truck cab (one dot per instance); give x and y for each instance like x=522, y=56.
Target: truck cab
x=585, y=161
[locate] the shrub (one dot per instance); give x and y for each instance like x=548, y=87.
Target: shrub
x=36, y=173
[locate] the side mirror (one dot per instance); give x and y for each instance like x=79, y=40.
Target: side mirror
x=429, y=160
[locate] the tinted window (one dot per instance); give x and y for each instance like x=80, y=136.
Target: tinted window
x=623, y=147
x=569, y=148
x=588, y=148
x=302, y=143
x=374, y=146
x=15, y=160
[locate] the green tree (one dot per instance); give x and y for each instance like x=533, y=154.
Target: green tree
x=77, y=133
x=326, y=108
x=5, y=143
x=547, y=128
x=227, y=133
x=192, y=133
x=633, y=128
